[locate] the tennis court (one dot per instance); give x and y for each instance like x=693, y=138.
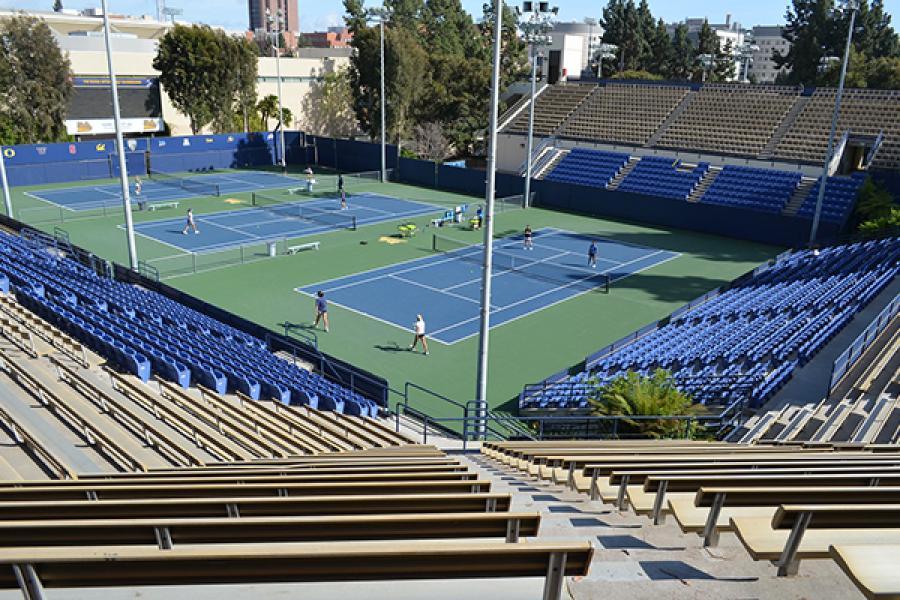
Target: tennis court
x=446, y=286
x=281, y=220
x=160, y=187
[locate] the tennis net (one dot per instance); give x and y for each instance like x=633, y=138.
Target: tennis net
x=298, y=210
x=565, y=275
x=196, y=186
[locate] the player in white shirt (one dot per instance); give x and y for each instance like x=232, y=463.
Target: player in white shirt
x=419, y=331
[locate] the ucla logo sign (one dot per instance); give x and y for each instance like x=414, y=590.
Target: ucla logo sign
x=100, y=147
x=9, y=152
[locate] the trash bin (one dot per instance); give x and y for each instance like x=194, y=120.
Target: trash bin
x=273, y=248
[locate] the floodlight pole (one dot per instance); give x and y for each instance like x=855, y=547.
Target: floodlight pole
x=484, y=332
x=120, y=146
x=530, y=143
x=277, y=20
x=7, y=198
x=382, y=13
x=383, y=105
x=814, y=230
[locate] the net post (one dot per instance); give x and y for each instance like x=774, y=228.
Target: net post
x=606, y=283
x=353, y=222
x=434, y=244
x=252, y=198
x=218, y=190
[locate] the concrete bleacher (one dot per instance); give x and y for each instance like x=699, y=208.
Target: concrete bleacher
x=863, y=112
x=624, y=113
x=552, y=108
x=748, y=340
x=730, y=119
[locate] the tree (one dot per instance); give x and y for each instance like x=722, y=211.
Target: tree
x=406, y=68
x=634, y=395
x=431, y=143
x=660, y=58
x=197, y=70
x=683, y=54
x=244, y=67
x=328, y=107
x=639, y=75
x=723, y=68
x=57, y=5
x=707, y=51
x=811, y=31
x=614, y=28
x=35, y=84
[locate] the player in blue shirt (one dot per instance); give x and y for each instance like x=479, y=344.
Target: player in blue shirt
x=321, y=310
x=592, y=255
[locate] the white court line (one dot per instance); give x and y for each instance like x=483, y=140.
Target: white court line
x=563, y=287
x=433, y=289
x=513, y=270
x=36, y=196
x=566, y=299
x=115, y=195
x=428, y=260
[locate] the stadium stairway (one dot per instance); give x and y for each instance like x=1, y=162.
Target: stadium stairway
x=623, y=173
x=673, y=116
x=799, y=197
x=708, y=179
x=785, y=126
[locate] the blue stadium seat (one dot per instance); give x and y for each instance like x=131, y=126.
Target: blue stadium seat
x=145, y=333
x=747, y=341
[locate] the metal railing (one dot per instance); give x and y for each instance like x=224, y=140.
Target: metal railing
x=843, y=363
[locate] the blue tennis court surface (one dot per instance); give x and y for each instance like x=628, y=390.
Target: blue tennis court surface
x=233, y=228
x=446, y=287
x=97, y=196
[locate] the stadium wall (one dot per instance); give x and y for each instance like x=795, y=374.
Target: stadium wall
x=38, y=164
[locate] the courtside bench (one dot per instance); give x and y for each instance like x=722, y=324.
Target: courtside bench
x=301, y=247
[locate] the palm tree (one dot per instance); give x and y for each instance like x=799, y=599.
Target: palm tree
x=634, y=395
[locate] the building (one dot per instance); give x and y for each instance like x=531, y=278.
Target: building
x=146, y=108
x=570, y=49
x=766, y=40
x=335, y=37
x=290, y=10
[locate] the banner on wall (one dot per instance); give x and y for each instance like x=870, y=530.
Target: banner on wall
x=107, y=126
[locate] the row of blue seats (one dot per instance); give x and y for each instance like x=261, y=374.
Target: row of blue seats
x=144, y=332
x=750, y=338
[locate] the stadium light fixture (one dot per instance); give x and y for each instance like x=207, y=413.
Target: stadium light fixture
x=382, y=14
x=485, y=317
x=535, y=29
x=853, y=7
x=276, y=25
x=120, y=145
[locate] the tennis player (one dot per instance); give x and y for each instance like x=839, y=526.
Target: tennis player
x=419, y=332
x=529, y=238
x=138, y=186
x=340, y=182
x=321, y=310
x=343, y=200
x=592, y=255
x=309, y=180
x=190, y=223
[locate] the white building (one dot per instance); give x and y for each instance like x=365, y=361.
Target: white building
x=766, y=40
x=134, y=46
x=571, y=46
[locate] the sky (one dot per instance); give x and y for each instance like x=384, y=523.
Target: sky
x=316, y=16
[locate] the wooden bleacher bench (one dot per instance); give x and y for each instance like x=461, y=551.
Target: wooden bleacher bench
x=137, y=424
x=151, y=206
x=56, y=465
x=301, y=247
x=92, y=434
x=873, y=569
x=650, y=497
x=712, y=508
x=171, y=416
x=800, y=532
x=171, y=532
x=122, y=491
x=34, y=569
x=269, y=506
